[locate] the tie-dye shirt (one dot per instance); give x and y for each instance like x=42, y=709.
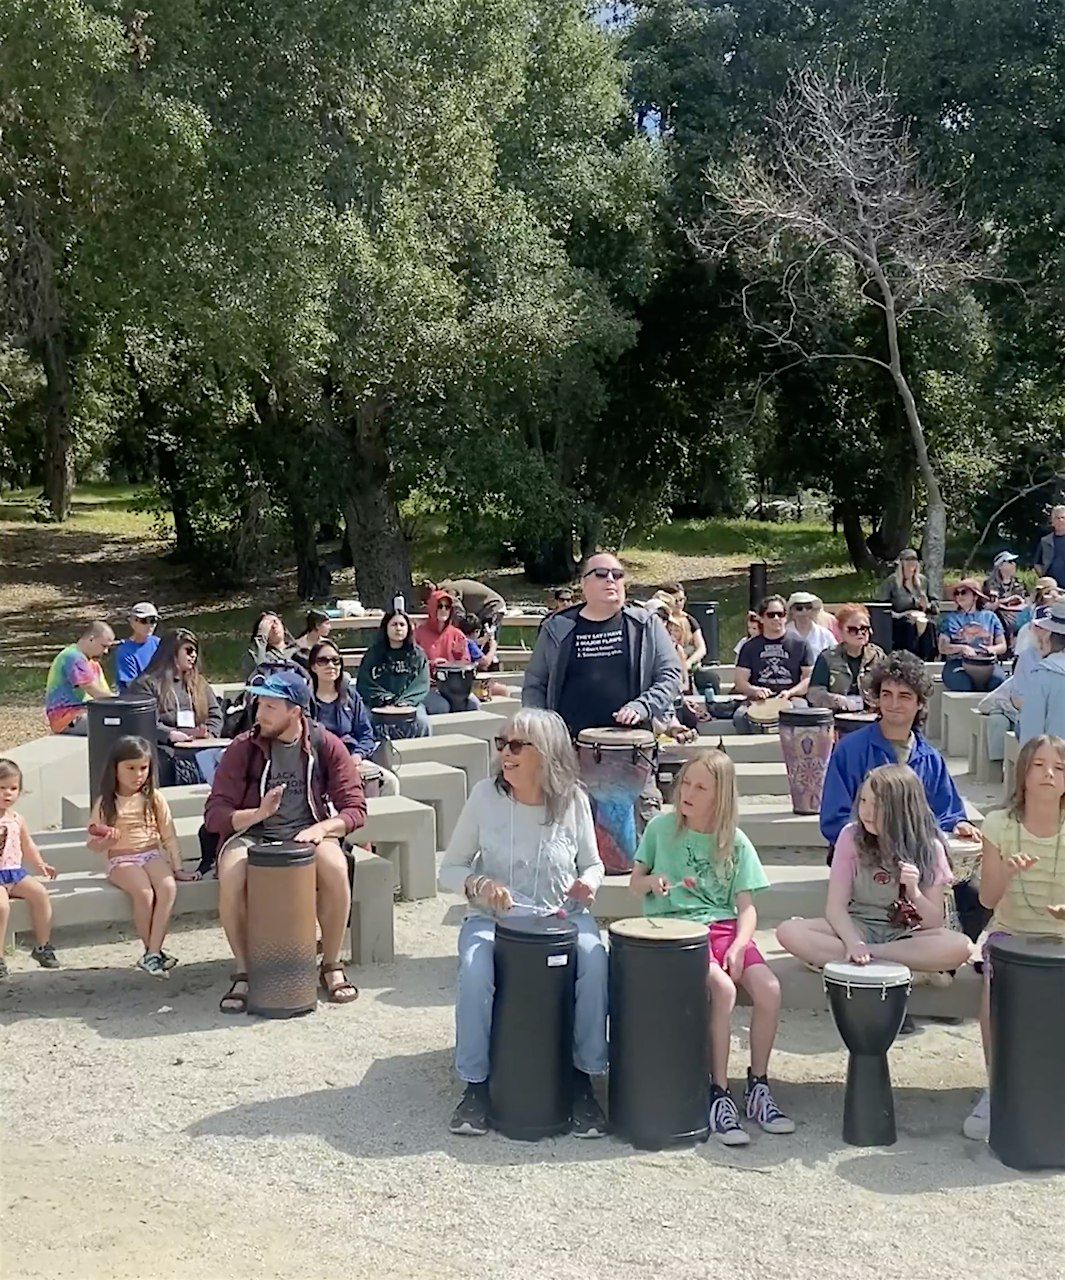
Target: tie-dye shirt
x=64, y=694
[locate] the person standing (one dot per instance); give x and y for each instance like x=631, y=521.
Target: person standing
x=603, y=663
x=133, y=655
x=75, y=678
x=1049, y=559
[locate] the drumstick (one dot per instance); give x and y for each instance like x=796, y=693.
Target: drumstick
x=1057, y=912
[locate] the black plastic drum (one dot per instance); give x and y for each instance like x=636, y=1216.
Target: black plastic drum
x=658, y=1084
x=454, y=680
x=1028, y=1052
x=111, y=719
x=530, y=1080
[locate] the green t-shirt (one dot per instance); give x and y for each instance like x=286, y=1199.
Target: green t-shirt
x=680, y=854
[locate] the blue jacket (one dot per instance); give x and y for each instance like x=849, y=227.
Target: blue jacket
x=867, y=748
x=1043, y=700
x=348, y=719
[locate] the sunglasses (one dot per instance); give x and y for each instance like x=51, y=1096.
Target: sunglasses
x=775, y=613
x=190, y=649
x=602, y=574
x=801, y=608
x=514, y=745
x=149, y=622
x=327, y=662
x=860, y=630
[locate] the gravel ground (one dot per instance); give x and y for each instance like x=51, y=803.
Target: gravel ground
x=147, y=1135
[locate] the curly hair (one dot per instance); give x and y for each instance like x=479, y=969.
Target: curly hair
x=906, y=668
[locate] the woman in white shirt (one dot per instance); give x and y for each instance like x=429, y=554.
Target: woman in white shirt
x=525, y=844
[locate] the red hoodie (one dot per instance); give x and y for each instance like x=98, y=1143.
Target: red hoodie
x=447, y=645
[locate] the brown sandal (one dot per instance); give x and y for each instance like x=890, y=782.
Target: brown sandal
x=240, y=998
x=344, y=992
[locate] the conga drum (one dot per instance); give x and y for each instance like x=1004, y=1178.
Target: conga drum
x=390, y=723
x=454, y=680
x=1028, y=1051
x=372, y=778
x=868, y=1003
x=530, y=1080
x=282, y=937
x=658, y=1087
x=764, y=717
x=806, y=742
x=616, y=766
x=848, y=721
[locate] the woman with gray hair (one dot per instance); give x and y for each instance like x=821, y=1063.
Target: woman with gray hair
x=525, y=845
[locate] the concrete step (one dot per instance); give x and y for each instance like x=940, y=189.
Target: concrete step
x=473, y=724
x=470, y=754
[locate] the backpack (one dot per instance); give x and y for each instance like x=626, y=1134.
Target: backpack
x=238, y=713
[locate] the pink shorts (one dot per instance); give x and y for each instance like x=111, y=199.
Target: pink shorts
x=131, y=859
x=722, y=935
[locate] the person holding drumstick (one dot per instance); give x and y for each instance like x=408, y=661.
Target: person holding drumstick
x=524, y=844
x=699, y=866
x=773, y=664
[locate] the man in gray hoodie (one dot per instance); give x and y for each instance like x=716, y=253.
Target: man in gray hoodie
x=604, y=663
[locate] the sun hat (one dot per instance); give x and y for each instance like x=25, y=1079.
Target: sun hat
x=144, y=610
x=1053, y=619
x=802, y=597
x=286, y=686
x=1004, y=557
x=969, y=584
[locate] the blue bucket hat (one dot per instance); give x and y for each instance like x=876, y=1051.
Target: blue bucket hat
x=286, y=686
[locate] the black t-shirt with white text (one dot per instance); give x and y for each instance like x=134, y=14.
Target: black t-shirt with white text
x=597, y=678
x=775, y=664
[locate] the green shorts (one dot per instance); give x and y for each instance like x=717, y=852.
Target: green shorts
x=876, y=933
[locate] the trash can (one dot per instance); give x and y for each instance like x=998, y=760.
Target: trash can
x=111, y=719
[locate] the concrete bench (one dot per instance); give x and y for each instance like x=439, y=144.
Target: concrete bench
x=981, y=766
x=51, y=766
x=1009, y=766
x=502, y=708
x=474, y=724
x=933, y=727
x=403, y=829
x=457, y=749
x=87, y=899
x=440, y=785
x=956, y=721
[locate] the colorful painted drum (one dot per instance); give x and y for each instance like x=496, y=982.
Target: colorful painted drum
x=616, y=766
x=806, y=742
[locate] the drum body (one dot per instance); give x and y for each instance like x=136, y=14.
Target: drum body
x=979, y=670
x=110, y=719
x=849, y=721
x=1028, y=1052
x=455, y=681
x=372, y=777
x=282, y=964
x=394, y=722
x=764, y=717
x=806, y=742
x=530, y=1081
x=616, y=766
x=868, y=1003
x=658, y=1090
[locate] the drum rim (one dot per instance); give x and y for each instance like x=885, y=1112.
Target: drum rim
x=1025, y=949
x=698, y=932
x=407, y=712
x=553, y=929
x=617, y=740
x=865, y=975
x=815, y=715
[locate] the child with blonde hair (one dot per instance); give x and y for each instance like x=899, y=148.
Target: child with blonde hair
x=16, y=847
x=697, y=865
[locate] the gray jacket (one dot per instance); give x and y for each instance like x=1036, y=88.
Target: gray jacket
x=1044, y=556
x=653, y=663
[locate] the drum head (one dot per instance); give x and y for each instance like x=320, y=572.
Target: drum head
x=616, y=739
x=460, y=667
x=877, y=973
x=536, y=929
x=370, y=772
x=1041, y=951
x=652, y=929
x=394, y=713
x=803, y=717
x=768, y=711
x=854, y=719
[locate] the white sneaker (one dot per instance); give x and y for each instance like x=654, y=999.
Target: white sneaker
x=978, y=1122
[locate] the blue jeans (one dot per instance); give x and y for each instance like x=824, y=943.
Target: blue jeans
x=957, y=680
x=476, y=989
x=437, y=705
x=207, y=762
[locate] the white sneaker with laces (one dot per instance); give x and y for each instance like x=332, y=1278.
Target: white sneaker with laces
x=978, y=1122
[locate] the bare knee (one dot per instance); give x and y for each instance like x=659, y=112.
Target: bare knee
x=763, y=986
x=790, y=931
x=719, y=986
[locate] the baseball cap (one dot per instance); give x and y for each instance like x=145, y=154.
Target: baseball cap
x=1004, y=557
x=144, y=610
x=286, y=686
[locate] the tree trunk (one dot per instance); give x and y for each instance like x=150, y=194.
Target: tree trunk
x=309, y=570
x=58, y=461
x=857, y=547
x=896, y=523
x=379, y=551
x=549, y=561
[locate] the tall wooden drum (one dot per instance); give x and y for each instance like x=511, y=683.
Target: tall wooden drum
x=658, y=1078
x=282, y=940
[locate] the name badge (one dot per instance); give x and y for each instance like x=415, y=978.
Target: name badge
x=186, y=719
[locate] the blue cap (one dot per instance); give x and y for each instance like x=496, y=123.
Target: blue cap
x=287, y=686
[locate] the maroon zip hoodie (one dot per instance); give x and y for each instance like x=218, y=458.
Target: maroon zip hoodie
x=334, y=784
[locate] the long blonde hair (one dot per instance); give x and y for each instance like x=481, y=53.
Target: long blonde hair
x=918, y=587
x=726, y=800
x=1015, y=804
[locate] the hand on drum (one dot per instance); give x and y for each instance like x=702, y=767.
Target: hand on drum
x=965, y=831
x=580, y=892
x=628, y=716
x=312, y=835
x=858, y=953
x=909, y=878
x=758, y=694
x=1019, y=862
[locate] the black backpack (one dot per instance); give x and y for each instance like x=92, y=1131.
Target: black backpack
x=238, y=713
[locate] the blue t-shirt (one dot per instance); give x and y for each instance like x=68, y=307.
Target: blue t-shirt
x=980, y=629
x=131, y=659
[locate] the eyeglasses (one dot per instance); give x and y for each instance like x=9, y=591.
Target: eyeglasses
x=964, y=592
x=514, y=745
x=860, y=630
x=774, y=613
x=327, y=662
x=602, y=574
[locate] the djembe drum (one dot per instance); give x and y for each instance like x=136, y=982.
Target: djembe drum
x=806, y=742
x=282, y=964
x=454, y=680
x=394, y=722
x=850, y=721
x=658, y=1094
x=372, y=776
x=764, y=717
x=616, y=766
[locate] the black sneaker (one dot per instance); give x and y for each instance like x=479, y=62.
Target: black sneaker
x=725, y=1119
x=471, y=1115
x=588, y=1118
x=45, y=956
